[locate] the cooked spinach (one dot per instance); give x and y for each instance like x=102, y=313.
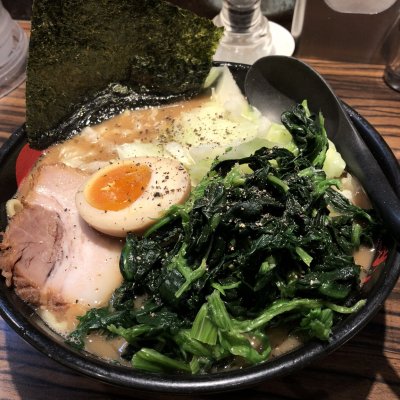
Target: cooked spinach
x=79, y=47
x=256, y=245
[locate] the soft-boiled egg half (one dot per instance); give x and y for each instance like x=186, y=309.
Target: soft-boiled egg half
x=130, y=195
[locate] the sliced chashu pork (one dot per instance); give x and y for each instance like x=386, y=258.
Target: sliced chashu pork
x=50, y=255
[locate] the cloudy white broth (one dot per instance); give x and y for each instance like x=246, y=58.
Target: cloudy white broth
x=71, y=247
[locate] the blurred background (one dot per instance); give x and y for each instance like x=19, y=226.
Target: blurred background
x=329, y=29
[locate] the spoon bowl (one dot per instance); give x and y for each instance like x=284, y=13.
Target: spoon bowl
x=274, y=84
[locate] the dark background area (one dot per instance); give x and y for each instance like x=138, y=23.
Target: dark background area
x=319, y=31
x=21, y=9
x=18, y=9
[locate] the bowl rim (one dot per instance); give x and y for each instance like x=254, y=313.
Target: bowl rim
x=33, y=330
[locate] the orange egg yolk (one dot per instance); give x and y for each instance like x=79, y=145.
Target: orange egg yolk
x=119, y=187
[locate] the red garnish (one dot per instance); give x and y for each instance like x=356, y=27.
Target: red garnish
x=366, y=279
x=26, y=159
x=381, y=257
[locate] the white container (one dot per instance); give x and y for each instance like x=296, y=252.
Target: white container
x=13, y=53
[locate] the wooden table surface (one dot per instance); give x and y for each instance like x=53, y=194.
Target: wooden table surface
x=367, y=367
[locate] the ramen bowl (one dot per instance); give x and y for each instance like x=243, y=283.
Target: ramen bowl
x=26, y=323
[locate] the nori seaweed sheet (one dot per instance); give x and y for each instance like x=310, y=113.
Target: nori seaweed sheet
x=104, y=104
x=79, y=47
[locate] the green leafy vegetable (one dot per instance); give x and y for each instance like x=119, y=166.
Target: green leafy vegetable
x=203, y=328
x=79, y=47
x=247, y=251
x=153, y=361
x=318, y=323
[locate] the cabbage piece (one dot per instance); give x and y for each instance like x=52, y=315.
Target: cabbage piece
x=140, y=149
x=334, y=164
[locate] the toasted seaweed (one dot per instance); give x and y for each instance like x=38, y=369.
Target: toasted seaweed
x=79, y=47
x=104, y=104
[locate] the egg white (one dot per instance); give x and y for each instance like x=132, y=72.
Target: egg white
x=169, y=184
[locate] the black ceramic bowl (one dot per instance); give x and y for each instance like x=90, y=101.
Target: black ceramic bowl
x=32, y=329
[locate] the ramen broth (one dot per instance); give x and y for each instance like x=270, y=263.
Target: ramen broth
x=93, y=148
x=97, y=145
